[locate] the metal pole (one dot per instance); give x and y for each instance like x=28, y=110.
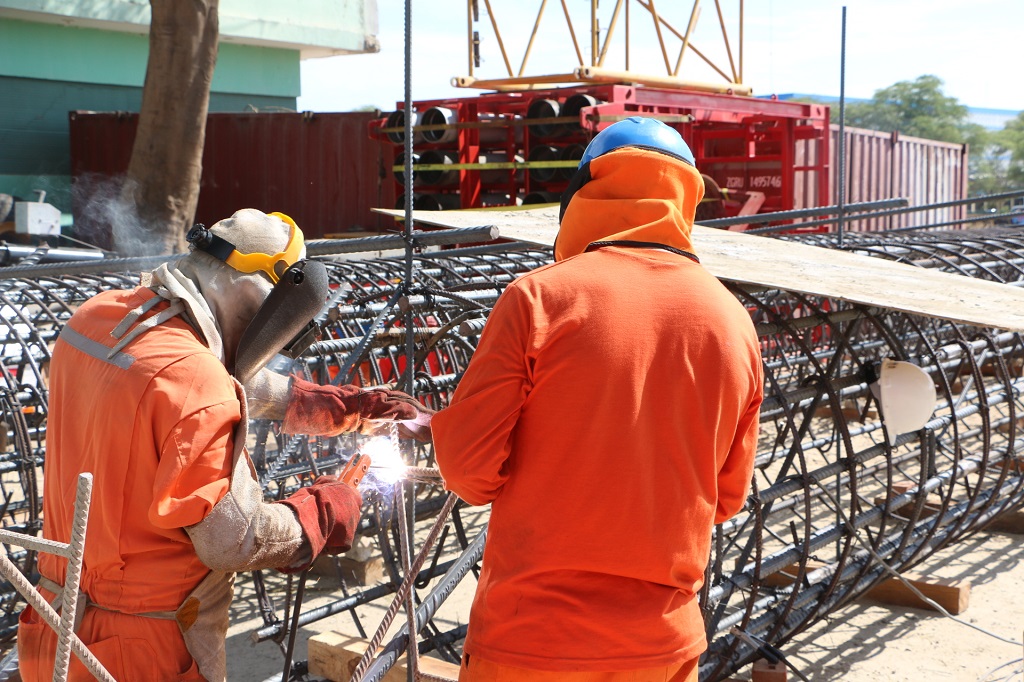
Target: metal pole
x=407, y=516
x=883, y=214
x=842, y=132
x=804, y=213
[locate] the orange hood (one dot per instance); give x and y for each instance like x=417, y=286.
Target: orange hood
x=634, y=194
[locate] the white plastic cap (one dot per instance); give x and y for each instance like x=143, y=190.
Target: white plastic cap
x=907, y=396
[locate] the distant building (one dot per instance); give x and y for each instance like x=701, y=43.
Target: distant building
x=58, y=56
x=992, y=119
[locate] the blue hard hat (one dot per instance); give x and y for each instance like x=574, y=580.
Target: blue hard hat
x=638, y=131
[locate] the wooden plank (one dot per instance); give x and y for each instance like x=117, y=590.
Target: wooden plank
x=951, y=594
x=334, y=656
x=772, y=263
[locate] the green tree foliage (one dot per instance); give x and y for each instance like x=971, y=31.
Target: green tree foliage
x=986, y=162
x=917, y=108
x=1010, y=142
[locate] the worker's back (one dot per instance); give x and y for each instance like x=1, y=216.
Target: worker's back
x=610, y=415
x=131, y=418
x=110, y=417
x=644, y=374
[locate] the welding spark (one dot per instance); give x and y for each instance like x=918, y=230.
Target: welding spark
x=387, y=467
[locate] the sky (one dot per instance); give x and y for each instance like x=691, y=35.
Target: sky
x=789, y=46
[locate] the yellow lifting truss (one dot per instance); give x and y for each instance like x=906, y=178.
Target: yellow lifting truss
x=593, y=69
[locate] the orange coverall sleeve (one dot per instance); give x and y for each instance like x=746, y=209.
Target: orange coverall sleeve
x=194, y=471
x=734, y=475
x=472, y=436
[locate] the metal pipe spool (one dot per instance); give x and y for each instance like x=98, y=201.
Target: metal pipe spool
x=541, y=108
x=831, y=499
x=396, y=119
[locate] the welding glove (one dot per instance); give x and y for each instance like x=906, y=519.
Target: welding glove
x=418, y=428
x=328, y=512
x=328, y=410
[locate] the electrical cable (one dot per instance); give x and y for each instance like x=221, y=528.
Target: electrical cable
x=987, y=677
x=896, y=574
x=770, y=653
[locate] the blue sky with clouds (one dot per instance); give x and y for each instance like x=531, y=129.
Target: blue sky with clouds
x=789, y=46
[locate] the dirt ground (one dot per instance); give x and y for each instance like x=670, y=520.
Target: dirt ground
x=865, y=642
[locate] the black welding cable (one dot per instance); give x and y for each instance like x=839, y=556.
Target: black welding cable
x=770, y=653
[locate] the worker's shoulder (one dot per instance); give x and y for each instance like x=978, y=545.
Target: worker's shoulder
x=173, y=341
x=110, y=300
x=542, y=273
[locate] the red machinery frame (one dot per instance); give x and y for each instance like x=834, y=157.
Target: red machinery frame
x=780, y=148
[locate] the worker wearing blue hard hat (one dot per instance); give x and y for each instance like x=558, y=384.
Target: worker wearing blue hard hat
x=610, y=416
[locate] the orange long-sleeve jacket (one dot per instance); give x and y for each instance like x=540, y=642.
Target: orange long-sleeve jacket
x=154, y=424
x=610, y=417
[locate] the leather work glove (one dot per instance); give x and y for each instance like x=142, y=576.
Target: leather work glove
x=328, y=511
x=418, y=428
x=327, y=410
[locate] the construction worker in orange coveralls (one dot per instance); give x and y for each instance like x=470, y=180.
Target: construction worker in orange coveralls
x=610, y=416
x=140, y=395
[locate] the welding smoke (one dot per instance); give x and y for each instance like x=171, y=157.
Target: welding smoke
x=106, y=217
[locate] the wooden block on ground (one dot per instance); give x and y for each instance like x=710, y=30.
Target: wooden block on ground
x=334, y=656
x=368, y=572
x=768, y=672
x=1008, y=522
x=951, y=594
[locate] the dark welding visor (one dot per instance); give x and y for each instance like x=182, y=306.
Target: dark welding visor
x=284, y=323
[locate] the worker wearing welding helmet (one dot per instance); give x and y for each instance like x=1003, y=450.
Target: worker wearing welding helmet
x=141, y=396
x=609, y=415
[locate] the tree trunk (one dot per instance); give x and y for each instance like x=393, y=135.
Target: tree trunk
x=162, y=183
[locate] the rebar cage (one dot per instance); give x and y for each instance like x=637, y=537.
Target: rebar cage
x=833, y=506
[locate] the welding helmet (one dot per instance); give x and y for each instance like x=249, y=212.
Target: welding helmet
x=249, y=243
x=635, y=131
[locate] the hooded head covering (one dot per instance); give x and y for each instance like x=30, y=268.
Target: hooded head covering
x=636, y=182
x=220, y=300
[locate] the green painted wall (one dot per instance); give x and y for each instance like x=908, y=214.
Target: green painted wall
x=87, y=55
x=47, y=70
x=34, y=133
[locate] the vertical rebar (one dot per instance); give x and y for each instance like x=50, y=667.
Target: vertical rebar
x=842, y=131
x=69, y=608
x=628, y=2
x=405, y=526
x=405, y=540
x=404, y=589
x=410, y=344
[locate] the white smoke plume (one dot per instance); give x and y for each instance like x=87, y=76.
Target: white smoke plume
x=105, y=217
